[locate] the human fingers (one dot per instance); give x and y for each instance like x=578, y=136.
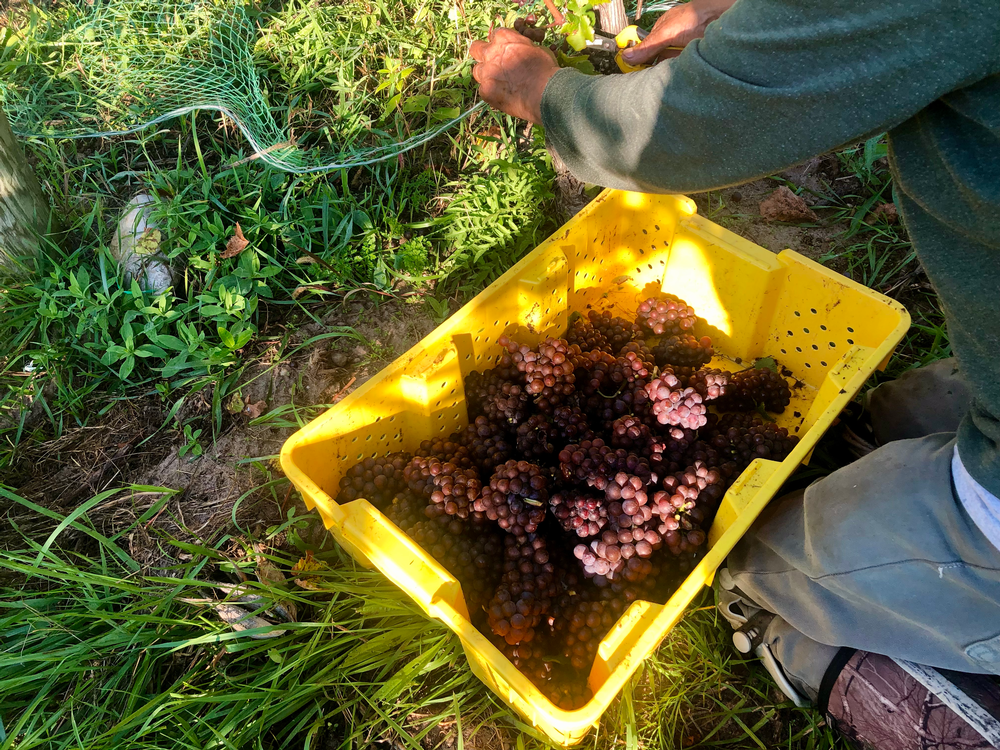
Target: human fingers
x=503, y=35
x=486, y=73
x=478, y=50
x=675, y=28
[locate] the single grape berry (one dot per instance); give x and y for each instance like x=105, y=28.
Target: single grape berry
x=665, y=316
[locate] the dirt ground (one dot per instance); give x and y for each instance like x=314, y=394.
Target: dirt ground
x=135, y=444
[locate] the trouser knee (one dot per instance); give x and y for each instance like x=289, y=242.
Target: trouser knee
x=921, y=402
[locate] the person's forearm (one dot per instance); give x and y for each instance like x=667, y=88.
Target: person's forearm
x=773, y=83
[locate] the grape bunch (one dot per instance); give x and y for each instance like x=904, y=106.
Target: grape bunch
x=589, y=474
x=547, y=370
x=622, y=554
x=526, y=28
x=536, y=437
x=453, y=489
x=578, y=512
x=407, y=509
x=642, y=351
x=629, y=400
x=489, y=444
x=375, y=479
x=525, y=592
x=740, y=438
x=667, y=449
x=497, y=394
x=616, y=331
x=684, y=351
x=516, y=497
x=673, y=403
x=581, y=625
x=590, y=369
x=627, y=497
x=710, y=384
x=543, y=434
x=748, y=388
x=632, y=434
x=447, y=449
x=596, y=464
x=684, y=505
x=665, y=317
x=468, y=553
x=585, y=336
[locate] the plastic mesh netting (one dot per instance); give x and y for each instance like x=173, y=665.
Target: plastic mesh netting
x=127, y=66
x=376, y=79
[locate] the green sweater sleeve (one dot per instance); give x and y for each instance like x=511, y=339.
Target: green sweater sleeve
x=773, y=82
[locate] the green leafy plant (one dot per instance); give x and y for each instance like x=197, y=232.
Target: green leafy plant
x=579, y=25
x=192, y=446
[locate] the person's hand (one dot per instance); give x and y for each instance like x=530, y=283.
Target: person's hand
x=675, y=28
x=512, y=72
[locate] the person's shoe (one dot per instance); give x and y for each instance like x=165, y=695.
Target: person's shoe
x=732, y=604
x=749, y=623
x=856, y=430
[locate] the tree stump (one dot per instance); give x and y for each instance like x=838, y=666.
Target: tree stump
x=24, y=210
x=612, y=17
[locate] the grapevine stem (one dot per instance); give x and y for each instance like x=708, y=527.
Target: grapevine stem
x=557, y=15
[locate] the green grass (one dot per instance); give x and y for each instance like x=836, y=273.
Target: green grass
x=96, y=653
x=439, y=222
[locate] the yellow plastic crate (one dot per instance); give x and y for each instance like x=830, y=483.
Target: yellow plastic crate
x=829, y=331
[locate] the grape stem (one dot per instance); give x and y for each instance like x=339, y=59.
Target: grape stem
x=557, y=17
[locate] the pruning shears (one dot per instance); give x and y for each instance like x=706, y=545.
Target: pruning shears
x=627, y=37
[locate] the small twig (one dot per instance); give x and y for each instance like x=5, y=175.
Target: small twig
x=557, y=15
x=638, y=9
x=284, y=503
x=259, y=154
x=340, y=394
x=152, y=520
x=319, y=260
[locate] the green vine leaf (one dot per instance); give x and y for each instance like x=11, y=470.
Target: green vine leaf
x=579, y=25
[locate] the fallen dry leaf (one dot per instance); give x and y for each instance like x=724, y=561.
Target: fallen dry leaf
x=255, y=409
x=267, y=571
x=784, y=205
x=236, y=244
x=886, y=212
x=237, y=618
